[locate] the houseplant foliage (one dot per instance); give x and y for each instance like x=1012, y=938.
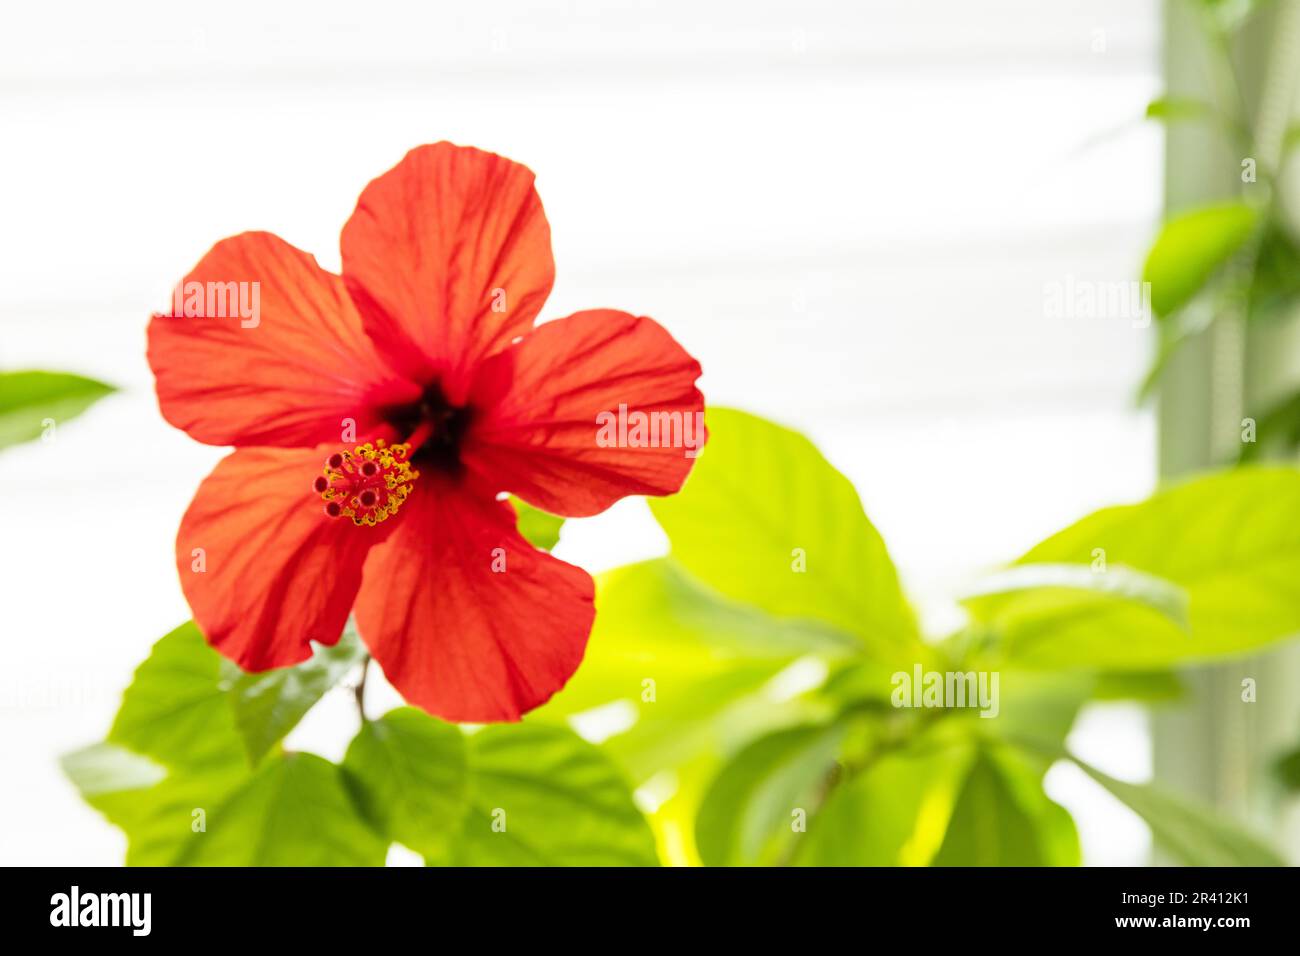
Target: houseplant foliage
x=34, y=403
x=742, y=688
x=195, y=772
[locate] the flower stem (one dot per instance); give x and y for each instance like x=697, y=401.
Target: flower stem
x=360, y=691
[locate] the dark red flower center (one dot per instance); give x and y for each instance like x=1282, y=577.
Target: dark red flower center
x=434, y=428
x=371, y=481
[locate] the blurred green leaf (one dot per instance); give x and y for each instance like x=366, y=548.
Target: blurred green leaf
x=540, y=528
x=104, y=769
x=1231, y=540
x=408, y=771
x=1171, y=109
x=1173, y=334
x=767, y=521
x=894, y=812
x=294, y=810
x=158, y=815
x=656, y=623
x=714, y=716
x=1291, y=137
x=1056, y=629
x=1040, y=706
x=1117, y=583
x=1229, y=15
x=1146, y=686
x=1287, y=771
x=1275, y=281
x=1194, y=834
x=674, y=657
x=1190, y=248
x=270, y=704
x=177, y=710
x=542, y=796
x=865, y=683
x=1277, y=431
x=746, y=817
x=29, y=399
x=1002, y=817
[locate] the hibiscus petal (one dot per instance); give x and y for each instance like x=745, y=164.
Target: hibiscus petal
x=448, y=256
x=290, y=374
x=545, y=399
x=466, y=618
x=265, y=570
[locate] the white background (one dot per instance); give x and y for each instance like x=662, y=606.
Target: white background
x=850, y=212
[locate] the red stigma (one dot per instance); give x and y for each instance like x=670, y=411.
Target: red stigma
x=367, y=484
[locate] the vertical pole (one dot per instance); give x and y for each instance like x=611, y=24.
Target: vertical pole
x=1215, y=746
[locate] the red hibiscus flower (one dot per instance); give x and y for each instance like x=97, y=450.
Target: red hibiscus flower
x=379, y=416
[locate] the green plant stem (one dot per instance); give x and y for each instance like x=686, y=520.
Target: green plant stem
x=360, y=692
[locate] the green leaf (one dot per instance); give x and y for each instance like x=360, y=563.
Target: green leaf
x=409, y=774
x=1190, y=248
x=866, y=683
x=1176, y=109
x=160, y=816
x=1146, y=686
x=1230, y=540
x=540, y=528
x=542, y=796
x=1038, y=705
x=176, y=713
x=1277, y=431
x=29, y=401
x=765, y=520
x=892, y=813
x=268, y=705
x=104, y=769
x=1116, y=583
x=1003, y=818
x=747, y=815
x=293, y=811
x=657, y=622
x=1275, y=281
x=1070, y=629
x=677, y=659
x=177, y=710
x=1228, y=16
x=171, y=817
x=1173, y=334
x=1287, y=771
x=656, y=625
x=1192, y=833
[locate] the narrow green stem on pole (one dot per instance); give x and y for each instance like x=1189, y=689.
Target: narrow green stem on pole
x=360, y=691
